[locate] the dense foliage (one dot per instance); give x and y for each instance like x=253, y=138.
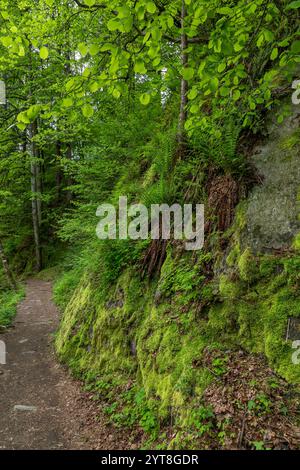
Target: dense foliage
x=79, y=73
x=158, y=100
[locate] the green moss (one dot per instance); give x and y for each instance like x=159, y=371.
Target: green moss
x=247, y=266
x=233, y=256
x=296, y=243
x=131, y=336
x=229, y=289
x=257, y=319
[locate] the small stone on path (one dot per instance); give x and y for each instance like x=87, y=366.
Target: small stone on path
x=24, y=408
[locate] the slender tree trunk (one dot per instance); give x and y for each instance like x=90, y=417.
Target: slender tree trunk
x=69, y=179
x=38, y=186
x=181, y=136
x=68, y=72
x=9, y=276
x=35, y=204
x=59, y=175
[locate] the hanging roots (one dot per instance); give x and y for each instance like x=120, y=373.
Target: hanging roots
x=154, y=258
x=223, y=196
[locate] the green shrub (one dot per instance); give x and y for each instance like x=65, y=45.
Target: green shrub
x=8, y=306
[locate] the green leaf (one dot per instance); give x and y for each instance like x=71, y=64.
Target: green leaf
x=21, y=51
x=153, y=52
x=274, y=53
x=193, y=93
x=90, y=3
x=194, y=109
x=67, y=102
x=116, y=93
x=113, y=24
x=213, y=84
x=260, y=40
x=238, y=47
x=5, y=15
x=6, y=41
x=224, y=91
x=252, y=104
x=295, y=47
x=145, y=99
x=33, y=112
x=139, y=67
x=83, y=49
x=280, y=119
x=93, y=49
x=156, y=61
x=123, y=12
x=236, y=95
x=151, y=7
x=23, y=118
x=170, y=21
x=225, y=11
x=293, y=5
x=221, y=67
x=188, y=73
x=269, y=35
x=94, y=87
x=44, y=53
x=70, y=84
x=87, y=110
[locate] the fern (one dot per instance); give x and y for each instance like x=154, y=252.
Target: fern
x=160, y=187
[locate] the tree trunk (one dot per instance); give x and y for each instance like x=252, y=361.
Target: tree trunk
x=69, y=179
x=9, y=276
x=39, y=190
x=35, y=198
x=181, y=136
x=59, y=175
x=68, y=72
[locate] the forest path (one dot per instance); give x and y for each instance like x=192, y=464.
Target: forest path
x=41, y=406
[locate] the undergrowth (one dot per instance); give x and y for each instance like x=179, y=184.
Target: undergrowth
x=8, y=306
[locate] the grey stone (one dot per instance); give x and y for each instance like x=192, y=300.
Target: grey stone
x=24, y=408
x=272, y=207
x=293, y=329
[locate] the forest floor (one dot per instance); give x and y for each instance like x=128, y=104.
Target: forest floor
x=41, y=406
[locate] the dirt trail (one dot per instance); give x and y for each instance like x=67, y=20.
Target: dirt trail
x=57, y=415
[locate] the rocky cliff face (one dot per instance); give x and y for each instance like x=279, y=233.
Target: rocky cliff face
x=272, y=216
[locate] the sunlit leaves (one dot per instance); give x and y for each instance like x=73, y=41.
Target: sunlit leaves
x=139, y=67
x=44, y=53
x=293, y=5
x=145, y=99
x=188, y=73
x=87, y=110
x=193, y=93
x=151, y=7
x=83, y=49
x=236, y=95
x=213, y=84
x=274, y=53
x=93, y=49
x=4, y=14
x=67, y=102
